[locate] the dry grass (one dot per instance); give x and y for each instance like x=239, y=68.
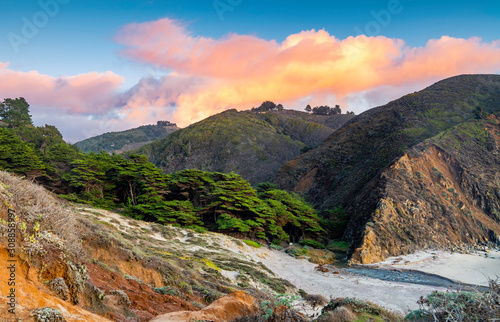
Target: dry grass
x=341, y=314
x=36, y=206
x=316, y=300
x=272, y=309
x=343, y=309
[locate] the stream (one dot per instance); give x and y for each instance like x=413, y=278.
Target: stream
x=411, y=276
x=402, y=276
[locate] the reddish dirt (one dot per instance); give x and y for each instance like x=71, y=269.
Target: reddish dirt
x=145, y=302
x=307, y=181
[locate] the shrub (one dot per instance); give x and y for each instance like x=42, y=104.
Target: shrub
x=360, y=307
x=276, y=247
x=47, y=314
x=166, y=290
x=312, y=243
x=337, y=246
x=252, y=243
x=459, y=306
x=315, y=300
x=123, y=297
x=59, y=287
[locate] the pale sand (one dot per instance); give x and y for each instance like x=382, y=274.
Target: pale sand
x=463, y=268
x=397, y=297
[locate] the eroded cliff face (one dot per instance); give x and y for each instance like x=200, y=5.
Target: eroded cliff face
x=442, y=192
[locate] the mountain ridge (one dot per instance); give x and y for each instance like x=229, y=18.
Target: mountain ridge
x=123, y=141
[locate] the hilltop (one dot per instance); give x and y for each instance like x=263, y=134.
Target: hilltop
x=418, y=172
x=254, y=145
x=119, y=142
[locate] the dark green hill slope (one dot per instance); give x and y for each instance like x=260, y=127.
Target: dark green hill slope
x=120, y=142
x=350, y=167
x=254, y=145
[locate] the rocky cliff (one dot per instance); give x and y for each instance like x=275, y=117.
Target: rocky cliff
x=418, y=172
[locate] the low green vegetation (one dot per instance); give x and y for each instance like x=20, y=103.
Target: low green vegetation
x=252, y=243
x=455, y=305
x=314, y=255
x=338, y=246
x=312, y=243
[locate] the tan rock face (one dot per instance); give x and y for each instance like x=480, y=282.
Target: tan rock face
x=442, y=193
x=226, y=308
x=370, y=251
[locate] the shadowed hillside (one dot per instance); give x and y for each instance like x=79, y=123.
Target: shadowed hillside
x=254, y=145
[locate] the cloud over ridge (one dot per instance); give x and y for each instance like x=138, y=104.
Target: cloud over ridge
x=203, y=76
x=242, y=70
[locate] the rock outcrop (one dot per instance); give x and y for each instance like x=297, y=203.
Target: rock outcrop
x=31, y=293
x=227, y=308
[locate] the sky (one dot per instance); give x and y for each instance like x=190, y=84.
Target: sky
x=90, y=67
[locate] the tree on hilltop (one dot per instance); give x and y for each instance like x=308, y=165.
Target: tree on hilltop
x=326, y=110
x=15, y=112
x=267, y=106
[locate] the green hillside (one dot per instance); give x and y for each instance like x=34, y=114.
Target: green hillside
x=222, y=202
x=254, y=145
x=119, y=142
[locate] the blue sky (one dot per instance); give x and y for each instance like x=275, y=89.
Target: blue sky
x=80, y=37
x=83, y=31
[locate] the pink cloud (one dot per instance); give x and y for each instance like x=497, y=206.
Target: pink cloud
x=90, y=93
x=209, y=75
x=242, y=70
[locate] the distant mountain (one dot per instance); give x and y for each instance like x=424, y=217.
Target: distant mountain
x=254, y=145
x=419, y=172
x=120, y=142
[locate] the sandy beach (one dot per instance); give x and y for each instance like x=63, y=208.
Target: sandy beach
x=397, y=297
x=476, y=268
